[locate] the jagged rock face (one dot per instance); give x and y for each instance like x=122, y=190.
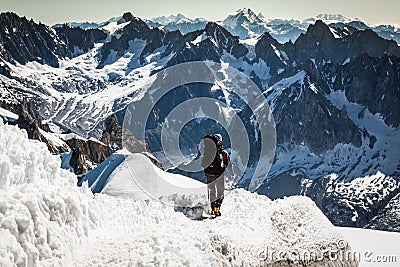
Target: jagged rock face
x=126, y=17
x=136, y=30
x=214, y=42
x=371, y=82
x=389, y=218
x=374, y=83
x=315, y=44
x=117, y=137
x=87, y=154
x=224, y=40
x=25, y=41
x=4, y=69
x=371, y=202
x=342, y=204
x=304, y=116
x=266, y=48
x=185, y=49
x=112, y=135
x=79, y=39
x=345, y=30
x=320, y=44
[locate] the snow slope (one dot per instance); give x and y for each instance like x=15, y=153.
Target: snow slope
x=8, y=116
x=124, y=174
x=45, y=220
x=374, y=248
x=251, y=228
x=138, y=178
x=80, y=95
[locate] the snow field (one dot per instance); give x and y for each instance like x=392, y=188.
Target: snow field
x=145, y=233
x=46, y=220
x=372, y=247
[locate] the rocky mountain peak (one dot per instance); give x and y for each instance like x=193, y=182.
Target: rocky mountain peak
x=319, y=30
x=76, y=37
x=126, y=17
x=245, y=23
x=212, y=27
x=112, y=123
x=24, y=41
x=267, y=38
x=177, y=17
x=116, y=137
x=225, y=40
x=243, y=15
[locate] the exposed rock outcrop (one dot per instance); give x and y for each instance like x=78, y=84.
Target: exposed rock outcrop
x=78, y=40
x=24, y=41
x=87, y=154
x=389, y=218
x=319, y=43
x=117, y=138
x=35, y=128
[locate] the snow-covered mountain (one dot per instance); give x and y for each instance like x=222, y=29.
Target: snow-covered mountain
x=333, y=93
x=87, y=25
x=174, y=19
x=177, y=22
x=331, y=19
x=246, y=24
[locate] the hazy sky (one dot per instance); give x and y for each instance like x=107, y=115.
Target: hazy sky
x=55, y=11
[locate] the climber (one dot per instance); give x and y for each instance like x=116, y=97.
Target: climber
x=215, y=162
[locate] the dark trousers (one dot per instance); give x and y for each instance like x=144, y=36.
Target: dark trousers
x=216, y=187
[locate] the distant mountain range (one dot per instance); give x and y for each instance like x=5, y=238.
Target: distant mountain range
x=333, y=91
x=247, y=24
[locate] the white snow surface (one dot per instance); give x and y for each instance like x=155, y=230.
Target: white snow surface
x=200, y=38
x=46, y=220
x=120, y=176
x=42, y=214
x=112, y=27
x=53, y=138
x=373, y=248
x=8, y=115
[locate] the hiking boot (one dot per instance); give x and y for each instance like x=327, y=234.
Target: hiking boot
x=217, y=212
x=212, y=212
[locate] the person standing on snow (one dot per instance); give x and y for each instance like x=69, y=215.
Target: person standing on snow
x=215, y=162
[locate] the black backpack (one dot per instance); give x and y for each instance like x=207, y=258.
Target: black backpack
x=213, y=153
